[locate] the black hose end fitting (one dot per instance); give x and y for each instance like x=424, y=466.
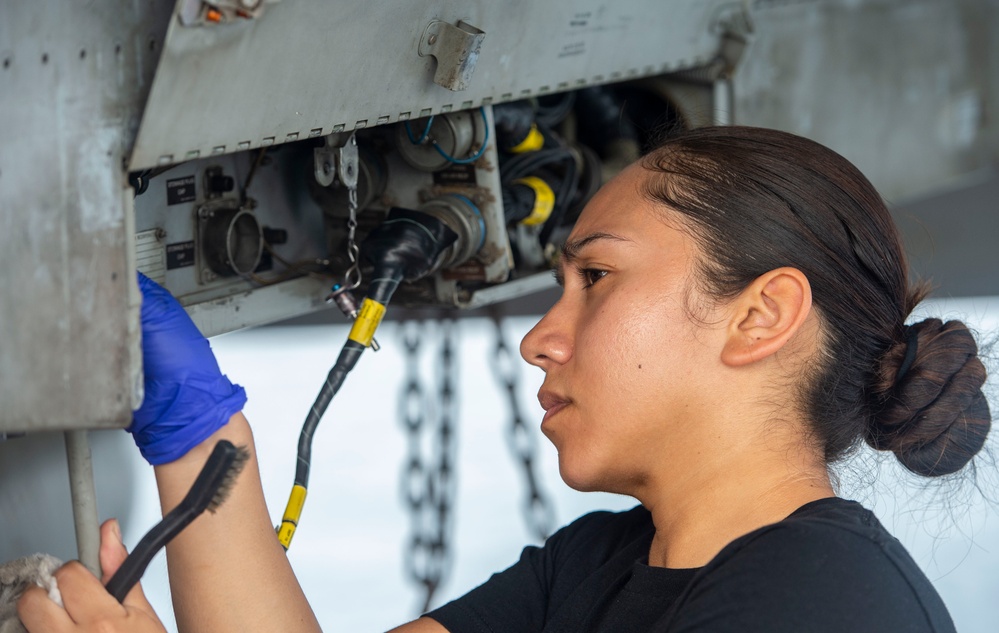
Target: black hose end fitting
x=407, y=245
x=513, y=122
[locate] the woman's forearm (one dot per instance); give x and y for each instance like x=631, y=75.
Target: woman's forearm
x=227, y=570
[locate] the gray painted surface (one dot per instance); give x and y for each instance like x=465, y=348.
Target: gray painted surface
x=952, y=238
x=908, y=90
x=305, y=70
x=35, y=506
x=72, y=79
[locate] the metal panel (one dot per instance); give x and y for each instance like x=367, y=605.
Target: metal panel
x=903, y=88
x=278, y=205
x=72, y=77
x=308, y=67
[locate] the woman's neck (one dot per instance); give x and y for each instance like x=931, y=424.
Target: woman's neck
x=710, y=507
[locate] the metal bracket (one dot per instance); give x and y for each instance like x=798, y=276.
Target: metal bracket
x=456, y=49
x=734, y=24
x=337, y=158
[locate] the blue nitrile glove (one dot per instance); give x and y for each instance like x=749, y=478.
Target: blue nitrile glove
x=187, y=397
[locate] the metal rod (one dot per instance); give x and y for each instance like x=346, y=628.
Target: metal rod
x=84, y=495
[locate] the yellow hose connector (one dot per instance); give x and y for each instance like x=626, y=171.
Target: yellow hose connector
x=531, y=143
x=367, y=321
x=292, y=513
x=544, y=200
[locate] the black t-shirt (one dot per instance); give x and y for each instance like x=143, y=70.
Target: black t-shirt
x=828, y=567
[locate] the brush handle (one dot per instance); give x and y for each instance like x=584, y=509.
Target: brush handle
x=213, y=474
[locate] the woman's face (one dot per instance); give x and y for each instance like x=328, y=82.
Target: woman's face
x=628, y=373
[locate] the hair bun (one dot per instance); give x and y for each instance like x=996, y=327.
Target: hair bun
x=934, y=415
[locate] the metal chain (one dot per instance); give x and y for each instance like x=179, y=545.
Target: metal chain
x=539, y=513
x=428, y=482
x=346, y=159
x=352, y=278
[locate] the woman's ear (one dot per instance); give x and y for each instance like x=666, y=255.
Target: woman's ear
x=766, y=315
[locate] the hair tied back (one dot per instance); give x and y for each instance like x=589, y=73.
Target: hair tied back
x=911, y=348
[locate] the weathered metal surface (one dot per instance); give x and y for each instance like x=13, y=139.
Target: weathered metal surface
x=456, y=49
x=72, y=79
x=906, y=89
x=308, y=68
x=264, y=305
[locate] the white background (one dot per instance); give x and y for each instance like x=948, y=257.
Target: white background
x=348, y=551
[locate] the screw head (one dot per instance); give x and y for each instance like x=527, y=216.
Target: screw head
x=432, y=40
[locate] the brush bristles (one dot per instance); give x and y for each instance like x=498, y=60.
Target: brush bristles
x=232, y=473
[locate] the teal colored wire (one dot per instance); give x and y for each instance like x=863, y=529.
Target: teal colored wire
x=478, y=154
x=423, y=137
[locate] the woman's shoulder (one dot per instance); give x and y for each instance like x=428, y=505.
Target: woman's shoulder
x=830, y=539
x=823, y=527
x=831, y=560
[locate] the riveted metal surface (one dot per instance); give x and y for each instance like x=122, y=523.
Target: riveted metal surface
x=72, y=80
x=308, y=68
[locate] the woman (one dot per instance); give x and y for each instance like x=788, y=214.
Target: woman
x=732, y=323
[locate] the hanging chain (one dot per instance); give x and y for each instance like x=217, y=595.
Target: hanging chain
x=539, y=513
x=429, y=490
x=346, y=169
x=352, y=278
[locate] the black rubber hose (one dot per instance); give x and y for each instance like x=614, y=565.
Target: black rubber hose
x=601, y=118
x=552, y=109
x=518, y=202
x=513, y=123
x=404, y=247
x=349, y=355
x=570, y=183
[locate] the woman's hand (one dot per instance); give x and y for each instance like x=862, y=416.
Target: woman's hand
x=186, y=396
x=88, y=606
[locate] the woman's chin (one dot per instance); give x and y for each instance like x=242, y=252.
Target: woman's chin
x=577, y=477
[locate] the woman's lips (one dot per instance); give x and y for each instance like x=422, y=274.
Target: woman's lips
x=552, y=403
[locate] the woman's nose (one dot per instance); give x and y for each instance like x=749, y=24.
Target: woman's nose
x=549, y=342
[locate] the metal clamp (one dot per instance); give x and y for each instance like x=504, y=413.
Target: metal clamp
x=337, y=158
x=456, y=49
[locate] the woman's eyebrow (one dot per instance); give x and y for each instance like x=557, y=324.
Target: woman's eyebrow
x=570, y=250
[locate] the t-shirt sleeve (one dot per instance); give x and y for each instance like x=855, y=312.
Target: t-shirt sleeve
x=816, y=578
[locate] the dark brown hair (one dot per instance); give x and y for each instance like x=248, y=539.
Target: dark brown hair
x=758, y=199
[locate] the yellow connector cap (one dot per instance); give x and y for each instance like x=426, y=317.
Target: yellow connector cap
x=367, y=321
x=292, y=513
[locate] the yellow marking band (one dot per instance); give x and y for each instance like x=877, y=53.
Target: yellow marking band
x=367, y=322
x=532, y=143
x=292, y=512
x=544, y=200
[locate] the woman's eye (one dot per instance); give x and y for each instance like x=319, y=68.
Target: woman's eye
x=591, y=276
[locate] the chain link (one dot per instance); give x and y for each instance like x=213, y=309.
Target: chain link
x=347, y=167
x=352, y=278
x=428, y=481
x=539, y=513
